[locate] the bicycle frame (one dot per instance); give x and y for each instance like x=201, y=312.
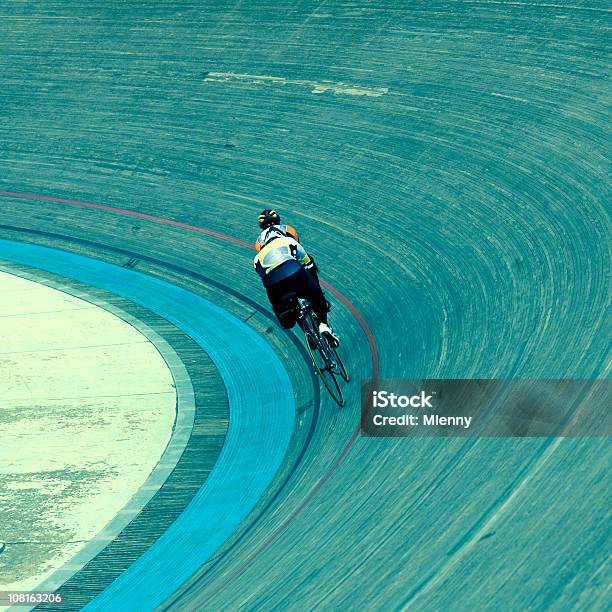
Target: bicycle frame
x=319, y=348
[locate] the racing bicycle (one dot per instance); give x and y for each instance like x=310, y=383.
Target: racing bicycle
x=325, y=357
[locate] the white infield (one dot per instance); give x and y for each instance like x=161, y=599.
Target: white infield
x=87, y=406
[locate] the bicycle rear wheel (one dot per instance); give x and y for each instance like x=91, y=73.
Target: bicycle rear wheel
x=318, y=350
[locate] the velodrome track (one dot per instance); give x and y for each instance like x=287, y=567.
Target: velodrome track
x=446, y=164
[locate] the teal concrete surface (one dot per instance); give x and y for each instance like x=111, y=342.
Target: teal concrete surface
x=260, y=427
x=447, y=165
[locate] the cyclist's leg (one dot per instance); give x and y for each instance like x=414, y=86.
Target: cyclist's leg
x=307, y=286
x=311, y=289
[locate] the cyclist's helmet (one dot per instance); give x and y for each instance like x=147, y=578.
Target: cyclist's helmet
x=268, y=217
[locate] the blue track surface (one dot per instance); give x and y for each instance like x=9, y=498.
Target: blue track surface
x=261, y=422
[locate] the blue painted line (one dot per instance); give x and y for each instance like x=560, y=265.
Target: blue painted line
x=260, y=427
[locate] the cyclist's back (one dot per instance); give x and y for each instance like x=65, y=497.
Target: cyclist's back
x=279, y=257
x=287, y=230
x=286, y=269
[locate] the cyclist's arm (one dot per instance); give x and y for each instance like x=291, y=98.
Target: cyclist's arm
x=312, y=268
x=299, y=253
x=292, y=232
x=306, y=261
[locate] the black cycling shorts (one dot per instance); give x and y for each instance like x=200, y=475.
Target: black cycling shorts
x=302, y=284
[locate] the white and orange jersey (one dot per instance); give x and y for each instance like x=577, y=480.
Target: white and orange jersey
x=277, y=252
x=288, y=230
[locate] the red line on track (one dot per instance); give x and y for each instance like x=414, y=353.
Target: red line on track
x=129, y=213
x=351, y=307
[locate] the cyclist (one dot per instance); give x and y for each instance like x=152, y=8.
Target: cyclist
x=285, y=268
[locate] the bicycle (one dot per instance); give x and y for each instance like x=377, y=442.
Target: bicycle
x=325, y=357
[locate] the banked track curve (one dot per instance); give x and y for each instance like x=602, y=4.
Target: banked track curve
x=335, y=292
x=260, y=427
x=133, y=256
x=446, y=164
x=343, y=299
